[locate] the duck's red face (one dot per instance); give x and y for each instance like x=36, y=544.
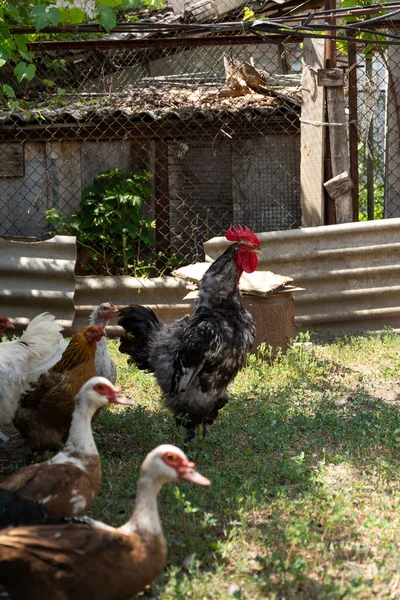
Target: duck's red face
x=246, y=251
x=185, y=469
x=113, y=394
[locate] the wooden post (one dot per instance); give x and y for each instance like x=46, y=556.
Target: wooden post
x=330, y=62
x=369, y=159
x=333, y=81
x=312, y=136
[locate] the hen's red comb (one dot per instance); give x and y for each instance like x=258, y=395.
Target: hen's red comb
x=239, y=234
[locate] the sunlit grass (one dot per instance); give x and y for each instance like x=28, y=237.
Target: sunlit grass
x=304, y=464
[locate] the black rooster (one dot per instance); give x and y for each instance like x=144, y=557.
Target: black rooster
x=196, y=358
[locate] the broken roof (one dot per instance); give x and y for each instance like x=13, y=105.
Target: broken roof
x=209, y=11
x=159, y=102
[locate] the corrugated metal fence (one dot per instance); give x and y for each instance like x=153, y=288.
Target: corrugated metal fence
x=162, y=294
x=37, y=277
x=349, y=272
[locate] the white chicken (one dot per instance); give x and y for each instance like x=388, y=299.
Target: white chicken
x=22, y=361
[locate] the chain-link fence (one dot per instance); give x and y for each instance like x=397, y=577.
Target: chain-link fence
x=372, y=122
x=146, y=151
x=221, y=144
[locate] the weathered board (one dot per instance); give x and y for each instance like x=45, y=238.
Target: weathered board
x=339, y=151
x=12, y=160
x=312, y=136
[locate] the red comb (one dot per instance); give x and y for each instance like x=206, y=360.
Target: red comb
x=112, y=304
x=239, y=233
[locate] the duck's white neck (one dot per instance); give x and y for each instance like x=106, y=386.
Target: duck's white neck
x=80, y=437
x=145, y=515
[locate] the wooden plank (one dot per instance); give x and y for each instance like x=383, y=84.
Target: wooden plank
x=260, y=283
x=339, y=150
x=353, y=127
x=35, y=150
x=312, y=136
x=96, y=133
x=64, y=162
x=331, y=77
x=101, y=156
x=392, y=203
x=12, y=160
x=338, y=185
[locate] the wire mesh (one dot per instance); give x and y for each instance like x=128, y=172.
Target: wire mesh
x=211, y=115
x=219, y=150
x=373, y=115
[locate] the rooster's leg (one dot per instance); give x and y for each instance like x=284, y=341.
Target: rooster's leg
x=190, y=435
x=205, y=430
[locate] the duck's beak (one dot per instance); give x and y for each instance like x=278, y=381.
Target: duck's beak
x=194, y=477
x=118, y=399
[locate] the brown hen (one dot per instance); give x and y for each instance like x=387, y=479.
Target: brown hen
x=44, y=415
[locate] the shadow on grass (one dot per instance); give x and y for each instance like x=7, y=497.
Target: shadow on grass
x=259, y=451
x=264, y=456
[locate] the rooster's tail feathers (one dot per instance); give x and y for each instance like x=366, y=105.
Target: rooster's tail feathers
x=140, y=324
x=45, y=342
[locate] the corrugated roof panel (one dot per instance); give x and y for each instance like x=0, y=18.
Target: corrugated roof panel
x=156, y=104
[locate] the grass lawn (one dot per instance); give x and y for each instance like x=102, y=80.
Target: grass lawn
x=304, y=464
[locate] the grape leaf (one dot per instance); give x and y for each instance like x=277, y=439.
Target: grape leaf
x=107, y=17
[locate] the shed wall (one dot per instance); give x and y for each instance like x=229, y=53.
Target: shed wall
x=210, y=183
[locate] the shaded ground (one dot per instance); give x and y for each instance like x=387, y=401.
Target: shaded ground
x=14, y=452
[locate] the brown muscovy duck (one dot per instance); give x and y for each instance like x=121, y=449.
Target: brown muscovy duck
x=67, y=484
x=90, y=559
